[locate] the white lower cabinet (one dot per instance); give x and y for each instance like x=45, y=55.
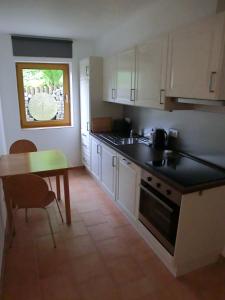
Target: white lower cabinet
x=119, y=177
x=108, y=170
x=128, y=180
x=96, y=158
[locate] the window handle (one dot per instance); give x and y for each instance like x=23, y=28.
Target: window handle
x=66, y=98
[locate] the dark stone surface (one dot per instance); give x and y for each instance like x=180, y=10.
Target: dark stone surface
x=185, y=174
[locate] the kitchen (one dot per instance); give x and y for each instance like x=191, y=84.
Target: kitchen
x=198, y=124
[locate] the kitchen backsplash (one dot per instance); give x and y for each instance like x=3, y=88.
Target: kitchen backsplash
x=200, y=133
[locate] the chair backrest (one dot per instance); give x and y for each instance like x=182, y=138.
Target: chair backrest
x=27, y=191
x=22, y=146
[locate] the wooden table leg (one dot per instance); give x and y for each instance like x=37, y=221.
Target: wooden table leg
x=58, y=187
x=67, y=197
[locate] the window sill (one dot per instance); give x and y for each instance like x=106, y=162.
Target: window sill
x=50, y=127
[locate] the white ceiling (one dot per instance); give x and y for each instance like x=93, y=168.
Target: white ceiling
x=86, y=19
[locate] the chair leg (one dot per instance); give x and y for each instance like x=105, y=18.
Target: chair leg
x=50, y=184
x=59, y=210
x=26, y=215
x=13, y=229
x=51, y=229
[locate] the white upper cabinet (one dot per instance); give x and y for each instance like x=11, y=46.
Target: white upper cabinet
x=125, y=77
x=109, y=78
x=195, y=60
x=84, y=106
x=151, y=63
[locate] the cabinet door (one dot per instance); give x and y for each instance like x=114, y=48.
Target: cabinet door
x=84, y=106
x=128, y=179
x=151, y=63
x=194, y=60
x=108, y=170
x=125, y=77
x=84, y=69
x=95, y=157
x=109, y=78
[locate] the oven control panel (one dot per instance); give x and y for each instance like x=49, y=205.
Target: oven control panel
x=162, y=187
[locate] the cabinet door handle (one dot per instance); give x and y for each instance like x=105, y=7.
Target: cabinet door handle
x=83, y=134
x=99, y=149
x=87, y=126
x=132, y=94
x=161, y=96
x=113, y=161
x=112, y=93
x=212, y=81
x=87, y=71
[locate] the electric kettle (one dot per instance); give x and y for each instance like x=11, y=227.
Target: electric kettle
x=159, y=139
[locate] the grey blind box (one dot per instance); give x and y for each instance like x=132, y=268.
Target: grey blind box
x=41, y=47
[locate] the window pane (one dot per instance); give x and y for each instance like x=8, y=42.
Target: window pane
x=43, y=94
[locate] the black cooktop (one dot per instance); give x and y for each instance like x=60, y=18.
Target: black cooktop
x=185, y=170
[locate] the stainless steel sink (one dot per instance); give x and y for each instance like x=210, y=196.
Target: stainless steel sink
x=118, y=140
x=128, y=141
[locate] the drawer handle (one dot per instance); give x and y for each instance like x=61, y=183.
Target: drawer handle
x=212, y=82
x=113, y=161
x=83, y=134
x=161, y=96
x=132, y=94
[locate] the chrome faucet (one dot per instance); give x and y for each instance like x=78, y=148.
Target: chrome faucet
x=131, y=133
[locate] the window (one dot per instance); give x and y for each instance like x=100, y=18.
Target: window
x=44, y=97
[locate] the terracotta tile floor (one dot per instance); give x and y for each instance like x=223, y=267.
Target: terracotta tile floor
x=99, y=257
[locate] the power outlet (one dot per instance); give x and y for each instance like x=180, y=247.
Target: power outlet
x=173, y=133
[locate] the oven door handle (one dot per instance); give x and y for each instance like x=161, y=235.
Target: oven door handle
x=156, y=198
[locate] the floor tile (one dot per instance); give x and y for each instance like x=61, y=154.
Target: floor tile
x=100, y=288
x=101, y=231
x=93, y=217
x=112, y=248
x=124, y=269
x=100, y=256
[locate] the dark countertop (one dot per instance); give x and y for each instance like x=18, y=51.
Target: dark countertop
x=141, y=153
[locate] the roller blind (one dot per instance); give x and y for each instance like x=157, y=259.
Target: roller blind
x=41, y=47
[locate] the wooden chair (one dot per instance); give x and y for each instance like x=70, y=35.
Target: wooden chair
x=30, y=191
x=24, y=146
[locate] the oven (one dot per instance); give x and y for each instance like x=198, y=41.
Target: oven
x=159, y=210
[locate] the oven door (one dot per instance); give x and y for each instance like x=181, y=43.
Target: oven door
x=160, y=215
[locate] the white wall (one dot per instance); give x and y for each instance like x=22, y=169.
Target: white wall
x=66, y=139
x=2, y=204
x=160, y=16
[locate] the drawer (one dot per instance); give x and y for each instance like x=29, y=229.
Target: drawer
x=85, y=150
x=86, y=160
